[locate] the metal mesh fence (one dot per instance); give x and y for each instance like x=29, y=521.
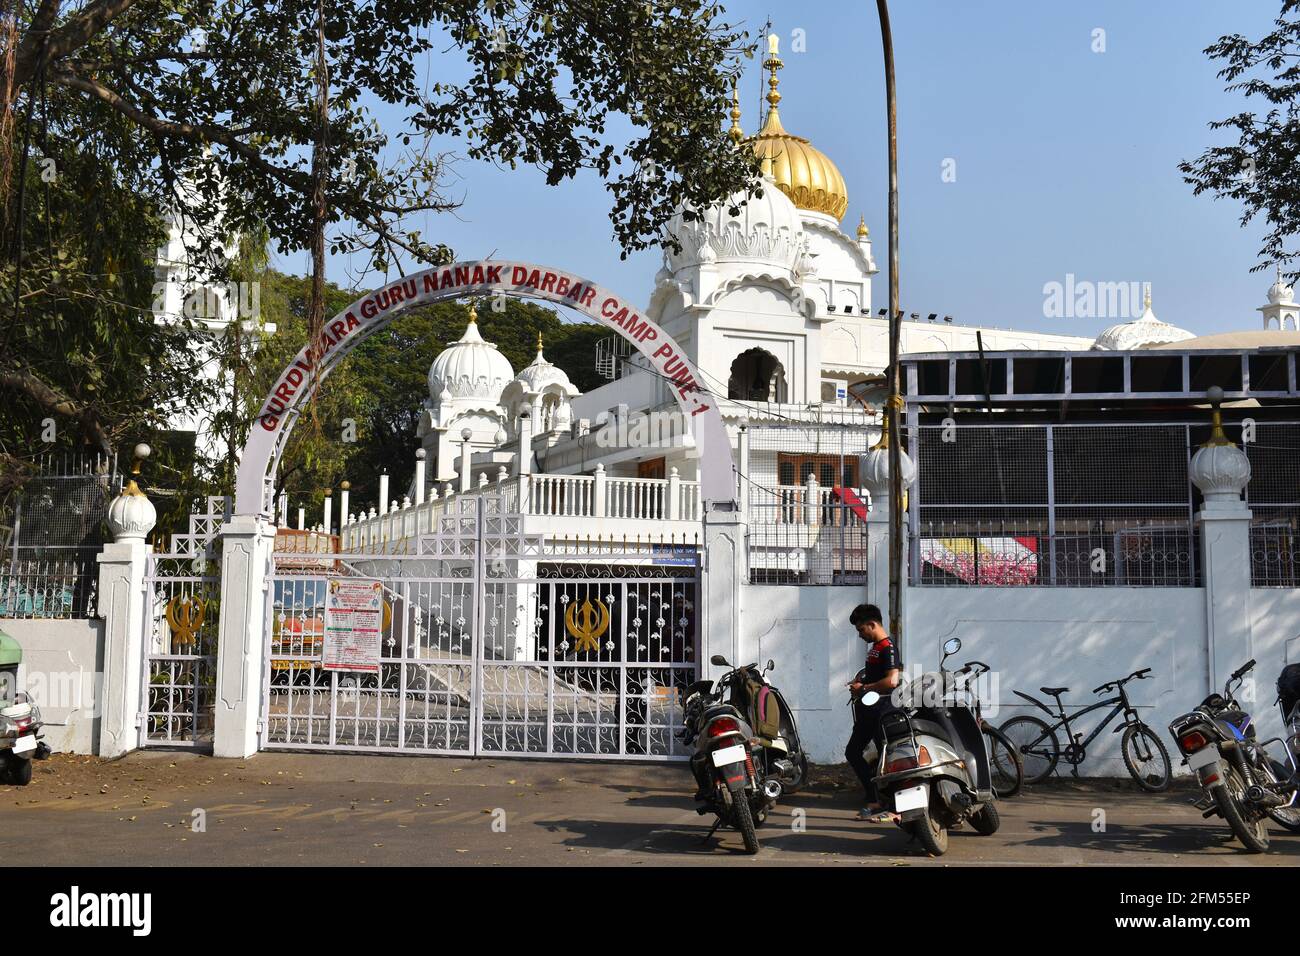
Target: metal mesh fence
x=1054, y=505
x=805, y=505
x=55, y=532
x=1274, y=496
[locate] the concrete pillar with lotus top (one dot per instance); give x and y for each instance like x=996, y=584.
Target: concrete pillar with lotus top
x=122, y=605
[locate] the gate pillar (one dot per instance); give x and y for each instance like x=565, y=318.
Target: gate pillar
x=122, y=606
x=724, y=570
x=247, y=543
x=121, y=603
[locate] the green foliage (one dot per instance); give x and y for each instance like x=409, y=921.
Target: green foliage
x=1262, y=169
x=383, y=384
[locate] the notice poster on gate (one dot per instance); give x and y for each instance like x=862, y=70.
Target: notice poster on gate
x=354, y=610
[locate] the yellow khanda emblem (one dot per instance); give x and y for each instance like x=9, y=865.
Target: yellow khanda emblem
x=185, y=617
x=594, y=623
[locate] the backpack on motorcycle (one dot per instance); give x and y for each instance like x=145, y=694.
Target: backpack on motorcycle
x=1288, y=687
x=767, y=712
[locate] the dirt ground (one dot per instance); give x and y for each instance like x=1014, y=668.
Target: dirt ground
x=174, y=808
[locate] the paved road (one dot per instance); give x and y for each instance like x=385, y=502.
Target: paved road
x=335, y=809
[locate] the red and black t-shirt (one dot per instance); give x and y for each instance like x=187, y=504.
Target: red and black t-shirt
x=882, y=658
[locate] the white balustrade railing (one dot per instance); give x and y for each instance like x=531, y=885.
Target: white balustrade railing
x=550, y=496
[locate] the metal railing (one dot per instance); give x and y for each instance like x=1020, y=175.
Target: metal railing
x=49, y=587
x=806, y=534
x=1274, y=554
x=996, y=556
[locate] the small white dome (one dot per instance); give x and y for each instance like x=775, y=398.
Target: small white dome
x=766, y=228
x=469, y=368
x=131, y=516
x=1141, y=333
x=1279, y=293
x=536, y=377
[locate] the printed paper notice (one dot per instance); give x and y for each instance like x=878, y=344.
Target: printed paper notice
x=354, y=609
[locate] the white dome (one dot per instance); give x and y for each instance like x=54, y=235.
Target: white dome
x=131, y=516
x=469, y=368
x=1143, y=332
x=535, y=378
x=766, y=228
x=1279, y=293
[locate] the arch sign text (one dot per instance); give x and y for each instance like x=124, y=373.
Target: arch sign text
x=373, y=312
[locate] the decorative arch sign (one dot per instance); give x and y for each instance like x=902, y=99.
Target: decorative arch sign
x=488, y=278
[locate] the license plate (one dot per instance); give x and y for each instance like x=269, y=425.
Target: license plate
x=1203, y=758
x=913, y=798
x=24, y=744
x=728, y=755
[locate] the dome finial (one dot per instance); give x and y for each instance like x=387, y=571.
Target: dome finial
x=473, y=311
x=862, y=227
x=772, y=64
x=736, y=133
x=1146, y=297
x=539, y=343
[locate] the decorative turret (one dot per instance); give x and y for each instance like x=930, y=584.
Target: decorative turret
x=1219, y=468
x=131, y=516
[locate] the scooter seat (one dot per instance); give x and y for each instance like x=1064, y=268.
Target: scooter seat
x=1055, y=691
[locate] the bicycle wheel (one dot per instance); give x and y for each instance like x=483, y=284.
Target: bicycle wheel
x=1146, y=758
x=1004, y=761
x=1037, y=745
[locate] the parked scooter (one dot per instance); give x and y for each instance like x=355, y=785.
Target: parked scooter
x=1288, y=700
x=1242, y=783
x=20, y=720
x=935, y=769
x=747, y=748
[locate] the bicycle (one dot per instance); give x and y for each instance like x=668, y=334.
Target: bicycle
x=1040, y=749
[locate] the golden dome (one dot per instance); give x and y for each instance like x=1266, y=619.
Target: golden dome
x=802, y=171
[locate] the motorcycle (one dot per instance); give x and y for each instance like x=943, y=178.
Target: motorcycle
x=20, y=720
x=1241, y=783
x=934, y=769
x=1288, y=701
x=20, y=740
x=747, y=748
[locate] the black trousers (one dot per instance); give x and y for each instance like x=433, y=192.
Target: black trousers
x=866, y=728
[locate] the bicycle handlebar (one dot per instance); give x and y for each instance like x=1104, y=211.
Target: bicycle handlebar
x=1138, y=674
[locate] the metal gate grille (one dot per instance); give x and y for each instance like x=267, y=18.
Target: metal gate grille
x=492, y=643
x=182, y=594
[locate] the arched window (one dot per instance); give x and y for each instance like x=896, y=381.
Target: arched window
x=756, y=376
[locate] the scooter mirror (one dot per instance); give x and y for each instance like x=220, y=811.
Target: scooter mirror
x=717, y=660
x=870, y=698
x=951, y=646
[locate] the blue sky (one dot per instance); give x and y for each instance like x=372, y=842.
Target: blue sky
x=1066, y=159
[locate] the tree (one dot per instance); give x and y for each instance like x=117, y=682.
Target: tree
x=1262, y=169
x=213, y=108
x=215, y=103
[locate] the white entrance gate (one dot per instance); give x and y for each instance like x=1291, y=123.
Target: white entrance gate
x=492, y=643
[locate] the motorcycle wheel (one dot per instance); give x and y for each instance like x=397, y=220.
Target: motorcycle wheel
x=986, y=820
x=1286, y=817
x=19, y=772
x=1231, y=797
x=743, y=820
x=932, y=834
x=1037, y=745
x=1146, y=758
x=1008, y=769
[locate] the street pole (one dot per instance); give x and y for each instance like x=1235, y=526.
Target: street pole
x=895, y=330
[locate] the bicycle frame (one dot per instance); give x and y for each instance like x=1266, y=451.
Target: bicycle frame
x=1121, y=705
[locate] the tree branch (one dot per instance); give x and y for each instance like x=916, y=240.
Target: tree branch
x=52, y=400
